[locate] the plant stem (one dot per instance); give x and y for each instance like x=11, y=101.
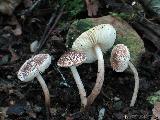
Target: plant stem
x=100, y=76
x=46, y=94
x=136, y=88
x=80, y=86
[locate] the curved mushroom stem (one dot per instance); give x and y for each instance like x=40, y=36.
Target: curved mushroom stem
x=136, y=88
x=80, y=86
x=100, y=76
x=46, y=94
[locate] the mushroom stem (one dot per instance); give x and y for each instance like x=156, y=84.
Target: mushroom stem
x=136, y=88
x=80, y=86
x=100, y=76
x=46, y=94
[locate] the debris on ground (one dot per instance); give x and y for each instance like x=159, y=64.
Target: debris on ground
x=31, y=27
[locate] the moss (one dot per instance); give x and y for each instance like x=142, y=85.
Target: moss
x=83, y=25
x=154, y=98
x=73, y=7
x=76, y=29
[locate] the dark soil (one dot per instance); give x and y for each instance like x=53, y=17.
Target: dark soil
x=25, y=101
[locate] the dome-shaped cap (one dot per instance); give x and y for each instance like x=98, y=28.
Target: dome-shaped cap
x=31, y=68
x=104, y=35
x=120, y=57
x=71, y=58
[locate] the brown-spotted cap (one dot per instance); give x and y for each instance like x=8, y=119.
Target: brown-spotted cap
x=120, y=57
x=71, y=58
x=33, y=66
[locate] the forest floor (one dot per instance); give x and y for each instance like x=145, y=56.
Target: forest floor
x=25, y=101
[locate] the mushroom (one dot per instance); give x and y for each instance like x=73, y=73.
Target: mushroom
x=31, y=69
x=120, y=60
x=72, y=59
x=94, y=42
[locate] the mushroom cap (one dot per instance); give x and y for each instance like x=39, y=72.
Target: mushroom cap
x=104, y=35
x=33, y=66
x=120, y=57
x=71, y=58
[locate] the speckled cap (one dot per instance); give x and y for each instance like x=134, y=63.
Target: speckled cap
x=33, y=66
x=104, y=35
x=71, y=58
x=120, y=57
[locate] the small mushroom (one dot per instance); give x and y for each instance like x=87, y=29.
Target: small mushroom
x=72, y=59
x=120, y=60
x=94, y=42
x=31, y=69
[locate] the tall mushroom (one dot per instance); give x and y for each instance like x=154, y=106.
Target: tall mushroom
x=120, y=60
x=72, y=59
x=94, y=42
x=31, y=69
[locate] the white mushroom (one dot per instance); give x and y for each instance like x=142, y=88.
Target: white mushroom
x=94, y=42
x=120, y=59
x=33, y=46
x=72, y=59
x=32, y=68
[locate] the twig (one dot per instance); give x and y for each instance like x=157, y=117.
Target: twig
x=41, y=43
x=45, y=31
